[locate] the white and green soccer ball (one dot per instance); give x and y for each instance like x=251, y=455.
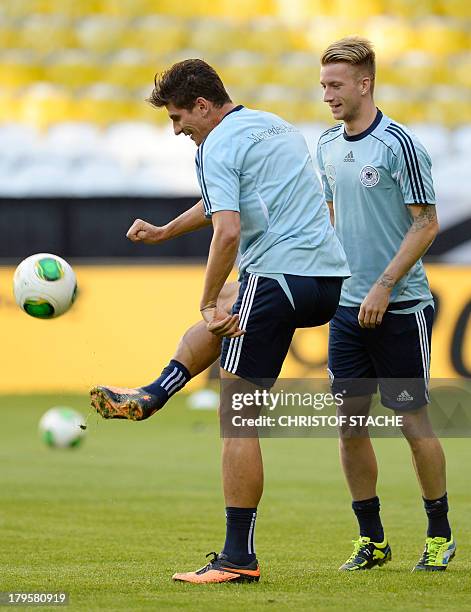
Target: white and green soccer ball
x=44, y=285
x=62, y=427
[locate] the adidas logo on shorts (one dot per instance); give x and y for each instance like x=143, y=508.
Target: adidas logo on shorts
x=404, y=397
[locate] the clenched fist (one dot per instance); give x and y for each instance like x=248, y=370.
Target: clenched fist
x=141, y=231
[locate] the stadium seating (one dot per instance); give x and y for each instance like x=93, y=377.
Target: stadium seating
x=122, y=43
x=74, y=77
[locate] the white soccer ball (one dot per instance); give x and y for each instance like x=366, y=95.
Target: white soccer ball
x=205, y=399
x=61, y=427
x=44, y=286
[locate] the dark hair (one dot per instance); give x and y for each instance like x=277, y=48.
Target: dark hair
x=186, y=81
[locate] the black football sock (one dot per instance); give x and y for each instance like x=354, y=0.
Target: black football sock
x=369, y=521
x=437, y=514
x=173, y=378
x=240, y=528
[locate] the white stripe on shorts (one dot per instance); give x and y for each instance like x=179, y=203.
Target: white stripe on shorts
x=424, y=348
x=235, y=346
x=233, y=341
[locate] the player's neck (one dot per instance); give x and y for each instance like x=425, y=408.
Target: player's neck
x=218, y=115
x=224, y=110
x=363, y=121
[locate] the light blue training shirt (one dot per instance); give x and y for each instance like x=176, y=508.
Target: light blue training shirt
x=371, y=178
x=257, y=164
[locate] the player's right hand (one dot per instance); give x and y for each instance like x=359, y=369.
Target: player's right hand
x=141, y=231
x=221, y=324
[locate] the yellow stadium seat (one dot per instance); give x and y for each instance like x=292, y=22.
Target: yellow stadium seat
x=454, y=8
x=132, y=69
x=10, y=100
x=246, y=70
x=410, y=10
x=69, y=8
x=105, y=105
x=323, y=31
x=248, y=9
x=129, y=9
x=157, y=34
x=216, y=36
x=404, y=109
x=460, y=71
x=189, y=9
x=271, y=37
x=19, y=9
x=101, y=33
x=9, y=36
x=18, y=71
x=452, y=110
x=45, y=34
x=358, y=10
x=439, y=37
x=391, y=37
x=298, y=11
x=297, y=70
x=42, y=105
x=442, y=69
x=413, y=70
x=74, y=70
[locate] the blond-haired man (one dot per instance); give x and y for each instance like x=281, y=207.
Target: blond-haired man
x=378, y=185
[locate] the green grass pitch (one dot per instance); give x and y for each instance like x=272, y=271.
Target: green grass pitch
x=112, y=521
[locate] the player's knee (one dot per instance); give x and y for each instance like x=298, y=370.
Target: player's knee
x=416, y=427
x=351, y=440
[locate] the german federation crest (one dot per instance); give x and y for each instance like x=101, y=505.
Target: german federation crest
x=369, y=176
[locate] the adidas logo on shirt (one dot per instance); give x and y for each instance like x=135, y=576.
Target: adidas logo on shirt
x=349, y=157
x=404, y=397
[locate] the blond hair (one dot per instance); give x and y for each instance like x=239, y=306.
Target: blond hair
x=352, y=50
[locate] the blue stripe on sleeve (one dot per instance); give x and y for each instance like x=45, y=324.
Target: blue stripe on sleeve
x=408, y=160
x=407, y=136
x=204, y=189
x=204, y=193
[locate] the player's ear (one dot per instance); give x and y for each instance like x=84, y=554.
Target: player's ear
x=203, y=105
x=365, y=85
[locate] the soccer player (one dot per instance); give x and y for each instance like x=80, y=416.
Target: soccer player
x=261, y=193
x=378, y=185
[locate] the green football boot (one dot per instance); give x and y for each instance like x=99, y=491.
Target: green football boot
x=437, y=554
x=367, y=554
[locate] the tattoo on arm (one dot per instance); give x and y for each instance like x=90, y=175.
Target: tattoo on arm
x=386, y=280
x=426, y=216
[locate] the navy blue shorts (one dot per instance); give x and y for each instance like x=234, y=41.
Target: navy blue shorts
x=395, y=355
x=269, y=320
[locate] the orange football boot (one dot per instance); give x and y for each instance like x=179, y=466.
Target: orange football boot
x=220, y=569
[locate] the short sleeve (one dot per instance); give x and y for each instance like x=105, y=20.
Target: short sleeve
x=218, y=178
x=412, y=169
x=325, y=181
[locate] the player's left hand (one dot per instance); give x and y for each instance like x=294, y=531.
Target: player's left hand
x=222, y=324
x=374, y=306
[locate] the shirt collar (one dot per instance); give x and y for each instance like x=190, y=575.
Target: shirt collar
x=361, y=135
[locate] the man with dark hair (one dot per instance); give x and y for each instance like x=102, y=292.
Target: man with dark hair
x=185, y=82
x=262, y=196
